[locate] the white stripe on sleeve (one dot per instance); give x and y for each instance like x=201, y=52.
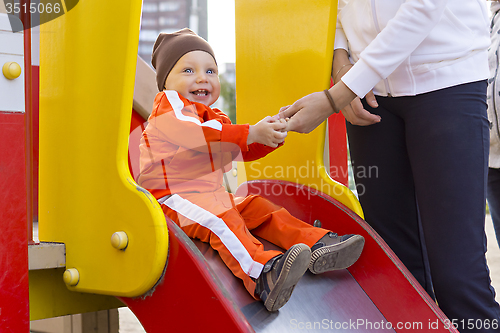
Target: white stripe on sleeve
x=213, y=124
x=178, y=105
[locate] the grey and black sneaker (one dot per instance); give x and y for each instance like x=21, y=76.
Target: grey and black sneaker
x=333, y=252
x=280, y=275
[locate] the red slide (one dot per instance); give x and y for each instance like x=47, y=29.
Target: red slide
x=198, y=293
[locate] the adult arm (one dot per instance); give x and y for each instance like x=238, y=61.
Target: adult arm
x=354, y=112
x=412, y=23
x=402, y=35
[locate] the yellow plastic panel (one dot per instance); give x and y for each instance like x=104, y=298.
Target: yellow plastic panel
x=284, y=51
x=87, y=66
x=50, y=298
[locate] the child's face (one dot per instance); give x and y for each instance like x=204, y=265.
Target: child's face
x=195, y=77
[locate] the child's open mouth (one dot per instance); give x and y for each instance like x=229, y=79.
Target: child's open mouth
x=200, y=92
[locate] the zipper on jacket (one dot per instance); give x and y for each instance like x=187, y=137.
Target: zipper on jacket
x=377, y=27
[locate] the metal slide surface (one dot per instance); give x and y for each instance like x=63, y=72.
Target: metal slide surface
x=330, y=301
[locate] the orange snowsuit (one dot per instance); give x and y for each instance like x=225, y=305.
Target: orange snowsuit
x=184, y=151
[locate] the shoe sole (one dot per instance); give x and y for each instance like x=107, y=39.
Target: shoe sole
x=337, y=256
x=296, y=264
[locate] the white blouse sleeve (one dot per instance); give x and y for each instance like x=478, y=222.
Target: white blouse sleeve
x=414, y=20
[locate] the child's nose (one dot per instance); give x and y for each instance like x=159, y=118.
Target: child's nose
x=202, y=77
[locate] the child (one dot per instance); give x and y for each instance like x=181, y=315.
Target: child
x=184, y=150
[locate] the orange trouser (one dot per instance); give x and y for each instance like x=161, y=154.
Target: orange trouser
x=225, y=222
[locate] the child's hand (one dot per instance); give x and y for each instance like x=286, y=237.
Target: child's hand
x=268, y=131
x=282, y=109
x=285, y=122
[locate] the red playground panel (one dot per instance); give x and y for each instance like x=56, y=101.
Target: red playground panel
x=14, y=304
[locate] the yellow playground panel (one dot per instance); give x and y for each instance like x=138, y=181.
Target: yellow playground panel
x=87, y=68
x=280, y=60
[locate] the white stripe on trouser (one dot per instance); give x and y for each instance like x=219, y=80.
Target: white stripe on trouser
x=219, y=228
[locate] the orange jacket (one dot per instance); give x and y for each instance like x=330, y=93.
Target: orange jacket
x=186, y=146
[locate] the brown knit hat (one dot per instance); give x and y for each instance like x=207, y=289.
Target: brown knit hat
x=169, y=48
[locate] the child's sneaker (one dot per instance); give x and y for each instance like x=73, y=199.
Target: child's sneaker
x=333, y=252
x=280, y=275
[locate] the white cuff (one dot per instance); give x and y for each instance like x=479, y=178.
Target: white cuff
x=361, y=78
x=340, y=40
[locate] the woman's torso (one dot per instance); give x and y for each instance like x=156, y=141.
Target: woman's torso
x=452, y=52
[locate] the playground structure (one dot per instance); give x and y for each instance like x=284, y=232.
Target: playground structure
x=89, y=121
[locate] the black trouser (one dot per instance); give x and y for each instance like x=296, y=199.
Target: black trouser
x=494, y=199
x=421, y=174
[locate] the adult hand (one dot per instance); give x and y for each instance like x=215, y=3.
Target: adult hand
x=354, y=111
x=307, y=113
x=356, y=114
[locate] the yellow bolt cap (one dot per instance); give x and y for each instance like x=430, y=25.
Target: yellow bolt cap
x=71, y=277
x=119, y=240
x=11, y=70
x=235, y=172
